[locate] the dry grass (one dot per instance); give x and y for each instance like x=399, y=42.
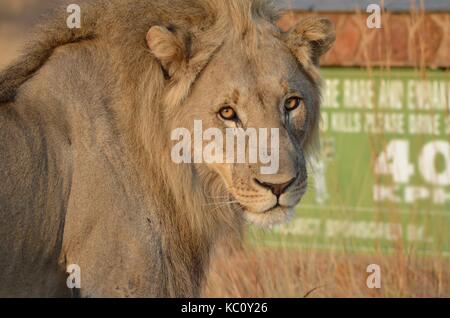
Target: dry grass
x=264, y=272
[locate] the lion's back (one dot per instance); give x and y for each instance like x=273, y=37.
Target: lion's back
x=31, y=203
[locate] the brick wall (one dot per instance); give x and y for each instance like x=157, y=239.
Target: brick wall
x=406, y=39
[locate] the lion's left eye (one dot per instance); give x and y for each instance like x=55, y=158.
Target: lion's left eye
x=293, y=103
x=228, y=113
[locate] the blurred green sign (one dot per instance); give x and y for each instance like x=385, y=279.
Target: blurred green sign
x=383, y=181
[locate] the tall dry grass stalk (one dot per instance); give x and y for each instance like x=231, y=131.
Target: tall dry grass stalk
x=264, y=272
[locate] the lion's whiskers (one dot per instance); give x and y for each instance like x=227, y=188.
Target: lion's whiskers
x=223, y=203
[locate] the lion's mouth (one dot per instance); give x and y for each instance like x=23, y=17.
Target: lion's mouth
x=276, y=206
x=276, y=215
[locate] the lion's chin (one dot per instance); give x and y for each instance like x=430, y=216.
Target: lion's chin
x=275, y=216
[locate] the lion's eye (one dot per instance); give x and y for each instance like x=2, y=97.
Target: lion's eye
x=293, y=103
x=228, y=113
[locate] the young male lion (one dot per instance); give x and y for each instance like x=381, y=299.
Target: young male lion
x=86, y=116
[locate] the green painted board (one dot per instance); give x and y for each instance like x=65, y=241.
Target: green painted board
x=383, y=180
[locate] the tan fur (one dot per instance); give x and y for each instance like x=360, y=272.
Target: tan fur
x=100, y=103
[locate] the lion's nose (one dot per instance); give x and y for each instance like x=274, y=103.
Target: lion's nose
x=276, y=188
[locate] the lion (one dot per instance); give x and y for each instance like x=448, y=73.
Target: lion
x=86, y=117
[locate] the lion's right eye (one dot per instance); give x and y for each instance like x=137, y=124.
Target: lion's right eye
x=293, y=103
x=228, y=113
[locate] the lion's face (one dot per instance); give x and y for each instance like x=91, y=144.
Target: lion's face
x=269, y=85
x=234, y=92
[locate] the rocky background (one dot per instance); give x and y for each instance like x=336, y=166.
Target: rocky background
x=415, y=39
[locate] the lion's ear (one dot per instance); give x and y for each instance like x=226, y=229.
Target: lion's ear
x=310, y=39
x=168, y=48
